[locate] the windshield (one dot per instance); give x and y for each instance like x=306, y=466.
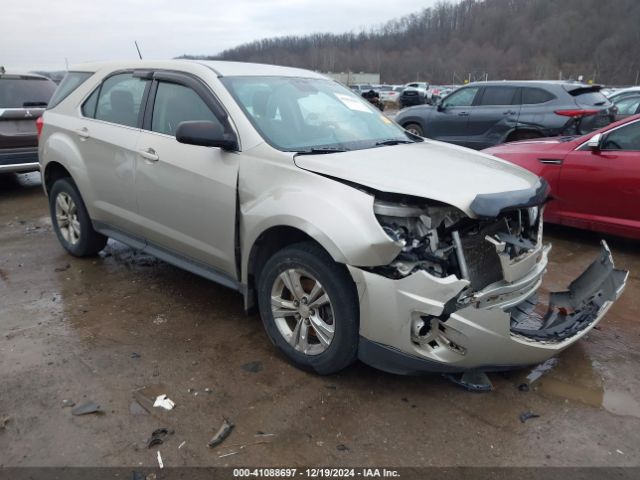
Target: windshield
x=309, y=115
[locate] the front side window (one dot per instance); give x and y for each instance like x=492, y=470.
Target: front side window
x=497, y=96
x=118, y=101
x=623, y=138
x=304, y=114
x=461, y=98
x=176, y=103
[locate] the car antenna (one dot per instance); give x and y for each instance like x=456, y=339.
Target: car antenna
x=138, y=49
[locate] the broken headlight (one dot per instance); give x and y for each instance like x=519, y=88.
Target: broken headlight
x=422, y=230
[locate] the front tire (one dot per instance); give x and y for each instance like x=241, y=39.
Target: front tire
x=71, y=220
x=309, y=308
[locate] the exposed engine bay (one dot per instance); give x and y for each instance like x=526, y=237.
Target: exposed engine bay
x=442, y=240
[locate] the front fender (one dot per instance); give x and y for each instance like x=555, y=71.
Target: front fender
x=339, y=217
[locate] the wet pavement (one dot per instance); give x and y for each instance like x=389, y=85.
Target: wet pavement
x=99, y=329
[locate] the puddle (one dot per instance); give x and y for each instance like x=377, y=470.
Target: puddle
x=572, y=376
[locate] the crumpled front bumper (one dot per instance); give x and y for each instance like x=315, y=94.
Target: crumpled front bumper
x=417, y=324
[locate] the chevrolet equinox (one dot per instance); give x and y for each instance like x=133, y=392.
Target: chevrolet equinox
x=352, y=237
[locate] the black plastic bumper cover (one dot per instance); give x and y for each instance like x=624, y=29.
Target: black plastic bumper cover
x=574, y=309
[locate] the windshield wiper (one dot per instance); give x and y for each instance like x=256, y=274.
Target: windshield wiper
x=321, y=150
x=392, y=141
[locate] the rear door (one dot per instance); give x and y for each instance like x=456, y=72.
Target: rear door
x=449, y=121
x=186, y=193
x=603, y=186
x=106, y=134
x=493, y=116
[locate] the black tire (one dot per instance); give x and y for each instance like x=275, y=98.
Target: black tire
x=338, y=285
x=89, y=242
x=415, y=128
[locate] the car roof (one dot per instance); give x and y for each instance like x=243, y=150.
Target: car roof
x=524, y=83
x=220, y=67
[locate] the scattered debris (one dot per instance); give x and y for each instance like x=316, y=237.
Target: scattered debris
x=68, y=403
x=208, y=390
x=159, y=320
x=524, y=416
x=86, y=408
x=158, y=436
x=62, y=269
x=182, y=444
x=228, y=454
x=222, y=433
x=160, y=460
x=146, y=397
x=619, y=451
x=252, y=367
x=3, y=421
x=405, y=399
x=472, y=381
x=341, y=447
x=165, y=402
x=135, y=355
x=541, y=369
x=523, y=387
x=262, y=434
x=331, y=387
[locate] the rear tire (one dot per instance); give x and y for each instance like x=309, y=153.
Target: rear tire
x=309, y=308
x=71, y=220
x=414, y=128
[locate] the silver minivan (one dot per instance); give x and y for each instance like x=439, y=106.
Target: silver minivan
x=352, y=237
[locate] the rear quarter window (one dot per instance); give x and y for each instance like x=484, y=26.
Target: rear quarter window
x=70, y=82
x=25, y=92
x=592, y=98
x=534, y=96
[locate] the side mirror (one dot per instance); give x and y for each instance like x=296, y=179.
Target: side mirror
x=595, y=142
x=439, y=105
x=205, y=134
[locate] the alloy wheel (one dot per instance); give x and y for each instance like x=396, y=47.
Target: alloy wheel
x=67, y=218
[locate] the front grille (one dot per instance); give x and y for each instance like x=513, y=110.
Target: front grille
x=482, y=259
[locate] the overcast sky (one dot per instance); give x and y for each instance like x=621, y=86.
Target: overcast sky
x=41, y=33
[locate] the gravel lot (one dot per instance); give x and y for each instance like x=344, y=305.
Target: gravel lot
x=101, y=328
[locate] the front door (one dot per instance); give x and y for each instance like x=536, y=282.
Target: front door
x=186, y=193
x=451, y=119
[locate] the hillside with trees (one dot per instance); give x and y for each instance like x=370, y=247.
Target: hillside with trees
x=502, y=39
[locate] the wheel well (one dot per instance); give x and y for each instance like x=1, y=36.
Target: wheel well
x=268, y=243
x=53, y=173
x=522, y=134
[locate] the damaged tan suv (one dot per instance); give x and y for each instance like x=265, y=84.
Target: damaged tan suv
x=354, y=238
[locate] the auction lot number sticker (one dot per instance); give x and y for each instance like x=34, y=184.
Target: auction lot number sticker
x=315, y=473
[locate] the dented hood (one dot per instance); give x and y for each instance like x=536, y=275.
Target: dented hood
x=429, y=169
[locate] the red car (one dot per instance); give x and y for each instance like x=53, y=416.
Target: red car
x=594, y=179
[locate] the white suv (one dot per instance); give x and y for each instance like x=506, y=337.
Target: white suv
x=353, y=237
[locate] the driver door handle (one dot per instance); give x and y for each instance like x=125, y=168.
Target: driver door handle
x=509, y=112
x=149, y=154
x=463, y=114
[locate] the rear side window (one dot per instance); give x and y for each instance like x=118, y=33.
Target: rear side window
x=70, y=82
x=118, y=100
x=25, y=92
x=534, y=96
x=498, y=96
x=176, y=103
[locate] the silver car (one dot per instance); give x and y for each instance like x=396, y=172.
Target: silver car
x=353, y=238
